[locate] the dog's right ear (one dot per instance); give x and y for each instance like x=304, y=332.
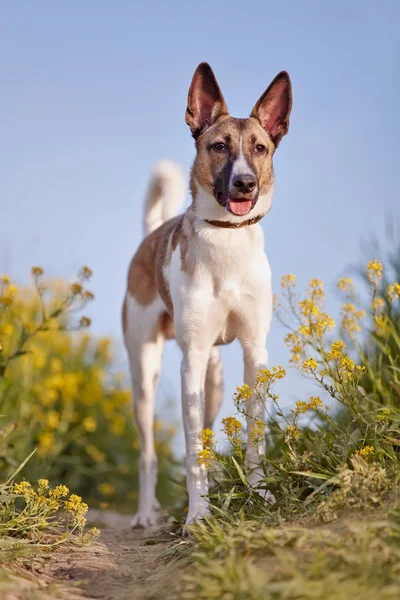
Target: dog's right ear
x=205, y=101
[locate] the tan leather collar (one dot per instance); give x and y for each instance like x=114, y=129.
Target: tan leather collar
x=231, y=225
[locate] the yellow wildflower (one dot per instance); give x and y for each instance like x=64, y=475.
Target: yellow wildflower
x=308, y=307
x=106, y=489
x=292, y=432
x=207, y=437
x=243, y=393
x=310, y=365
x=305, y=330
x=345, y=284
x=59, y=492
x=206, y=458
x=88, y=295
x=377, y=304
x=90, y=424
x=315, y=402
x=335, y=351
x=37, y=271
x=374, y=271
x=21, y=488
x=258, y=431
x=46, y=442
x=5, y=279
x=43, y=485
x=288, y=281
x=366, y=452
x=232, y=427
x=393, y=291
x=53, y=419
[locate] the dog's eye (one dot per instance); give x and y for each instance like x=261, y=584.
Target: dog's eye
x=260, y=148
x=219, y=146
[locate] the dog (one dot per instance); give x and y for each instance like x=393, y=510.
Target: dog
x=203, y=277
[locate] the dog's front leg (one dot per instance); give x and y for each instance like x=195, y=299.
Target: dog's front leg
x=193, y=373
x=255, y=358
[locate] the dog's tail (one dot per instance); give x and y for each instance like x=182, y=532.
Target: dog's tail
x=165, y=195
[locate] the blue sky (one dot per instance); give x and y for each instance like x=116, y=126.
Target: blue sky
x=93, y=93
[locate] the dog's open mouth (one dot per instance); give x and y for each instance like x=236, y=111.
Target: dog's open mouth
x=240, y=207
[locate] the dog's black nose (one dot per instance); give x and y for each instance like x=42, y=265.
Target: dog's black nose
x=245, y=184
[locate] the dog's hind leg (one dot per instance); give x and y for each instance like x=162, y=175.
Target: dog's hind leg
x=144, y=342
x=213, y=387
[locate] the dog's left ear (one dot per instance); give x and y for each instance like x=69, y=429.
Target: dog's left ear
x=205, y=101
x=274, y=106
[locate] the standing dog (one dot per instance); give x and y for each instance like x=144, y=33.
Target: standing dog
x=203, y=277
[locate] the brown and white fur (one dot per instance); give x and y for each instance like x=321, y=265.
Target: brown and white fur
x=203, y=277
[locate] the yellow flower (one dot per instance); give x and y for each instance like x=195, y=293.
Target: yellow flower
x=292, y=432
x=305, y=330
x=377, y=304
x=37, y=271
x=308, y=308
x=59, y=492
x=393, y=291
x=43, y=485
x=288, y=281
x=310, y=365
x=53, y=419
x=278, y=372
x=207, y=438
x=345, y=284
x=258, y=431
x=374, y=271
x=267, y=376
x=335, y=351
x=206, y=458
x=88, y=295
x=46, y=443
x=242, y=393
x=21, y=488
x=315, y=402
x=232, y=427
x=366, y=452
x=106, y=489
x=5, y=279
x=74, y=505
x=90, y=424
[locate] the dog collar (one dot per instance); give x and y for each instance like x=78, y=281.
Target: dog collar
x=230, y=225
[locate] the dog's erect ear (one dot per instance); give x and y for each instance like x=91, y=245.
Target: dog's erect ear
x=274, y=106
x=205, y=100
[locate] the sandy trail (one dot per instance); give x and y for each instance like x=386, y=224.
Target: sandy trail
x=125, y=564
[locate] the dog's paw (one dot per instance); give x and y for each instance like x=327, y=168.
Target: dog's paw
x=197, y=514
x=148, y=517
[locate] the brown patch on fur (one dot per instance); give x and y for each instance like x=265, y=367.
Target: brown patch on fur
x=143, y=280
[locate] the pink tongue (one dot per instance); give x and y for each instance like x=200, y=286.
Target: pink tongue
x=240, y=208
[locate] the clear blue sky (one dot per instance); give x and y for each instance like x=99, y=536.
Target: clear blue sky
x=94, y=92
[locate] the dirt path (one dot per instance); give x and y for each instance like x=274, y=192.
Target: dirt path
x=125, y=564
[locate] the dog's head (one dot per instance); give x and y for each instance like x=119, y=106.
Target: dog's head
x=233, y=165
